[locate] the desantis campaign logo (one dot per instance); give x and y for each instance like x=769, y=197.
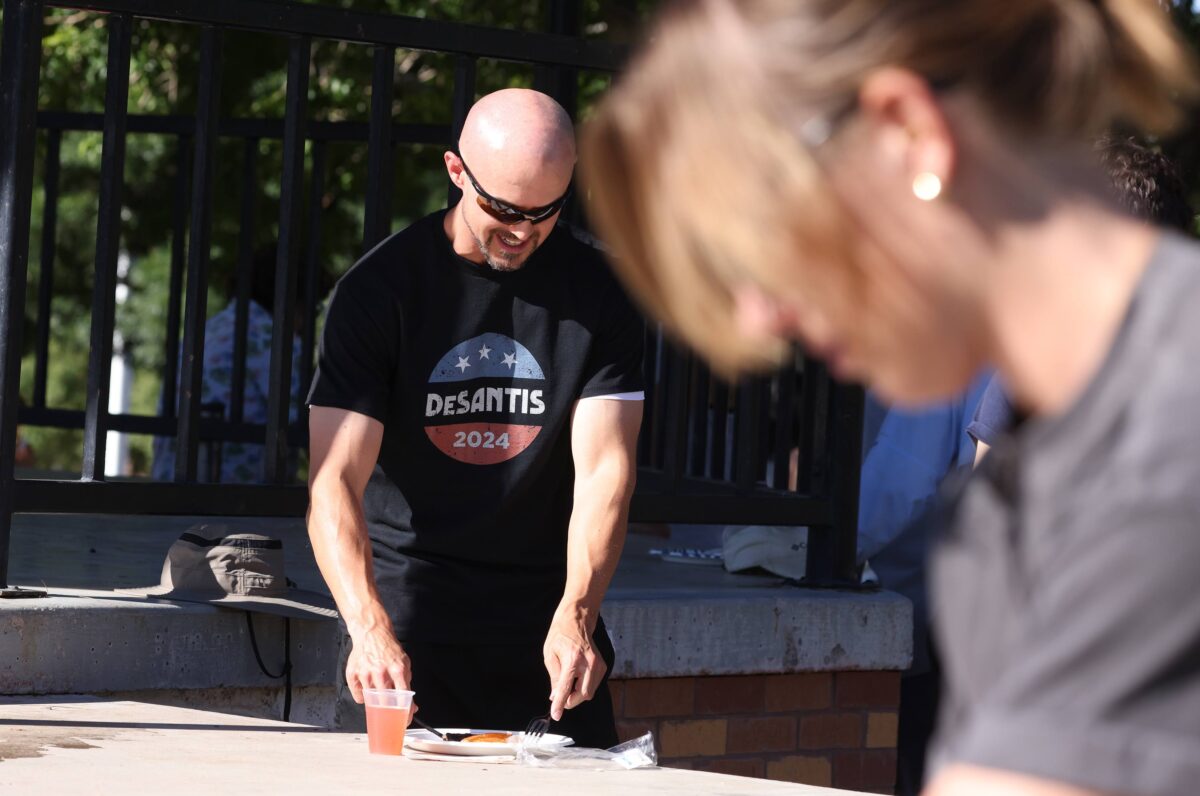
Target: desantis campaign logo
x=485, y=400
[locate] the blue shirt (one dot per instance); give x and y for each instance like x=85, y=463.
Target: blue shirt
x=993, y=416
x=906, y=456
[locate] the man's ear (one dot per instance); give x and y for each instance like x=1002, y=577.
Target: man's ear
x=454, y=167
x=908, y=120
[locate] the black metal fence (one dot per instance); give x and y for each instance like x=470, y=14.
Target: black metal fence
x=783, y=450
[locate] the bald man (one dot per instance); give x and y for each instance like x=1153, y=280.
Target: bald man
x=473, y=424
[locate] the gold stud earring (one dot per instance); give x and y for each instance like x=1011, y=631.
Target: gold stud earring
x=927, y=186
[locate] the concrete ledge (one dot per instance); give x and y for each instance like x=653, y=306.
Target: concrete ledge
x=678, y=620
x=781, y=631
x=82, y=641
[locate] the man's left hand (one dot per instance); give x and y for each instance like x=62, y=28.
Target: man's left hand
x=575, y=667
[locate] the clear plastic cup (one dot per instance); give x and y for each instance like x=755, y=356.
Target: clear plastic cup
x=388, y=712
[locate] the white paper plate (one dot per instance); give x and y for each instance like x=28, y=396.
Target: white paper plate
x=424, y=741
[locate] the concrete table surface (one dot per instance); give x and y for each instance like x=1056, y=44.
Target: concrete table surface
x=81, y=744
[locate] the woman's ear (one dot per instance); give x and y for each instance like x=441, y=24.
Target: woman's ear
x=908, y=121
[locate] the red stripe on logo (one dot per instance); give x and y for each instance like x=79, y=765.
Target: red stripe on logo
x=482, y=443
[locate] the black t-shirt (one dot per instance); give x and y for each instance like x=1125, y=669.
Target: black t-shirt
x=473, y=373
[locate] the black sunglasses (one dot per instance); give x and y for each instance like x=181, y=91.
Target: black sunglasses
x=508, y=214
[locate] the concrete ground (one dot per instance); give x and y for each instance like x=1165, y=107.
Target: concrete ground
x=72, y=745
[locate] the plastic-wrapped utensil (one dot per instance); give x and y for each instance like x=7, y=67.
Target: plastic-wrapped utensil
x=637, y=753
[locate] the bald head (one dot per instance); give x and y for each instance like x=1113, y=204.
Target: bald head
x=517, y=137
x=515, y=155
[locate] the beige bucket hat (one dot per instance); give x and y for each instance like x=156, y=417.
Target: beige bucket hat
x=235, y=570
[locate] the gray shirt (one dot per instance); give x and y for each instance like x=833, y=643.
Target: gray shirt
x=1067, y=583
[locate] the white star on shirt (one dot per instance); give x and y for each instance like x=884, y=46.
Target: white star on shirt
x=510, y=360
x=463, y=364
x=483, y=352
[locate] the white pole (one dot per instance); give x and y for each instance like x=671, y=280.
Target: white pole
x=120, y=384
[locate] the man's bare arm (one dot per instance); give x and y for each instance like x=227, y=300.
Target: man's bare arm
x=343, y=449
x=967, y=780
x=604, y=448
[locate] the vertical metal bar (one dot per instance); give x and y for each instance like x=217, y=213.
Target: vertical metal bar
x=312, y=265
x=108, y=240
x=810, y=417
x=649, y=369
x=765, y=427
x=46, y=271
x=658, y=412
x=832, y=550
x=746, y=435
x=20, y=59
x=245, y=275
x=785, y=412
x=564, y=17
x=179, y=213
x=847, y=468
x=377, y=219
x=196, y=305
x=720, y=426
x=291, y=200
x=464, y=98
x=675, y=449
x=698, y=436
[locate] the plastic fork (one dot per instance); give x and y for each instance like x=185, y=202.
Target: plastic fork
x=445, y=736
x=537, y=726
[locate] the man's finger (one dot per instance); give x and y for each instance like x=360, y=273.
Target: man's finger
x=562, y=689
x=399, y=677
x=355, y=686
x=554, y=669
x=593, y=675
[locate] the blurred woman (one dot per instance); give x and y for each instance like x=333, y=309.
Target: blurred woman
x=906, y=187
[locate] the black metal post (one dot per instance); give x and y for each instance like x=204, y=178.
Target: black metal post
x=108, y=240
x=245, y=276
x=179, y=220
x=720, y=426
x=196, y=305
x=675, y=453
x=848, y=403
x=649, y=369
x=746, y=440
x=464, y=98
x=564, y=17
x=20, y=61
x=785, y=411
x=700, y=409
x=46, y=271
x=312, y=265
x=377, y=218
x=291, y=200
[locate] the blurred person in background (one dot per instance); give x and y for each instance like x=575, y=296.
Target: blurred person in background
x=1147, y=183
x=907, y=187
x=239, y=462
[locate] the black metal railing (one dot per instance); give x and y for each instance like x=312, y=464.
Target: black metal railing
x=783, y=450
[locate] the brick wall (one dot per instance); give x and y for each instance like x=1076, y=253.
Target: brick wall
x=829, y=728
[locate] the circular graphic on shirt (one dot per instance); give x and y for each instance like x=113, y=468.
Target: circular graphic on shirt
x=485, y=400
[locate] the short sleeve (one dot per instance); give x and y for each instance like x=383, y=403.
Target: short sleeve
x=1103, y=690
x=993, y=416
x=615, y=360
x=358, y=350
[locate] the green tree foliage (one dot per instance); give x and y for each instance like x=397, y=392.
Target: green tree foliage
x=164, y=81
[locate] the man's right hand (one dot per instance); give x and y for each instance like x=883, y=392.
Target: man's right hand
x=376, y=661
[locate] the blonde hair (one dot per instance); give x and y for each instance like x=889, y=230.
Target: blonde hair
x=697, y=167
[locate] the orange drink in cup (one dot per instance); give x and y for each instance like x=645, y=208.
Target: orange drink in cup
x=388, y=711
